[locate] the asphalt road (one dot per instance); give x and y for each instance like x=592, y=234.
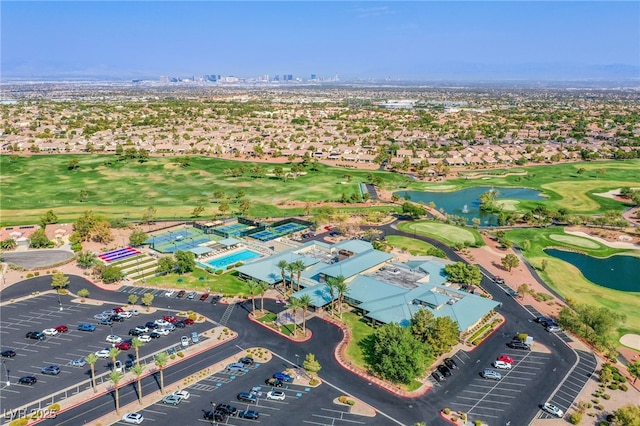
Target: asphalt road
x=325, y=337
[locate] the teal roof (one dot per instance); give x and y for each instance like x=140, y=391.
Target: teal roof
x=357, y=264
x=229, y=242
x=356, y=246
x=373, y=291
x=267, y=269
x=200, y=250
x=319, y=294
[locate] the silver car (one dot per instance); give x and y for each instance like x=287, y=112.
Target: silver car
x=491, y=374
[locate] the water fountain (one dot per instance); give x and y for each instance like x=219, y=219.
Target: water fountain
x=465, y=209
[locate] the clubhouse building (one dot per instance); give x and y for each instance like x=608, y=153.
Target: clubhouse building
x=381, y=289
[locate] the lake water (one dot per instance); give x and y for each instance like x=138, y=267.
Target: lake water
x=466, y=202
x=618, y=272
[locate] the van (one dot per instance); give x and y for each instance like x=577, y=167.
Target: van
x=194, y=337
x=118, y=367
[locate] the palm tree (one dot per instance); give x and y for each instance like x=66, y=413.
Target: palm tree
x=342, y=288
x=294, y=304
x=291, y=268
x=299, y=267
x=138, y=370
x=113, y=354
x=136, y=344
x=253, y=288
x=91, y=360
x=115, y=377
x=263, y=287
x=161, y=359
x=305, y=301
x=331, y=285
x=283, y=266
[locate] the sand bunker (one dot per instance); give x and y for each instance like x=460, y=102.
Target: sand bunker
x=631, y=341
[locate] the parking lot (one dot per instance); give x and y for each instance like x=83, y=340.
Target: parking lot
x=167, y=293
x=302, y=404
x=42, y=312
x=488, y=399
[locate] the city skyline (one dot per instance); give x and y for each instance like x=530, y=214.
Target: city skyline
x=355, y=40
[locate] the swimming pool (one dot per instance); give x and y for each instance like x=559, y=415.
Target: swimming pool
x=231, y=259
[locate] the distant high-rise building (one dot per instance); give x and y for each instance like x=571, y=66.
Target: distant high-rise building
x=164, y=79
x=314, y=77
x=276, y=77
x=289, y=77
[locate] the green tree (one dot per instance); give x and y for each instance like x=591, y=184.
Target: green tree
x=291, y=268
x=463, y=273
x=83, y=293
x=294, y=305
x=48, y=218
x=91, y=359
x=112, y=274
x=510, y=261
x=185, y=261
x=253, y=288
x=84, y=225
x=444, y=335
x=113, y=354
x=133, y=299
x=59, y=280
x=87, y=259
x=115, y=377
x=244, y=206
x=332, y=285
x=342, y=288
x=629, y=415
x=149, y=215
x=147, y=300
x=311, y=364
x=413, y=210
x=101, y=232
x=39, y=239
x=421, y=324
x=544, y=264
x=138, y=370
x=138, y=237
x=73, y=164
x=161, y=360
x=634, y=370
x=8, y=244
x=396, y=355
x=223, y=206
x=165, y=265
x=197, y=211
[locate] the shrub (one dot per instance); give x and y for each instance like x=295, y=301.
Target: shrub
x=342, y=399
x=180, y=354
x=606, y=396
x=613, y=386
x=19, y=422
x=603, y=423
x=477, y=422
x=29, y=275
x=313, y=382
x=54, y=407
x=172, y=356
x=36, y=273
x=623, y=387
x=575, y=418
x=219, y=271
x=598, y=407
x=447, y=411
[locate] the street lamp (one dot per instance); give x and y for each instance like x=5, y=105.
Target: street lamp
x=4, y=363
x=297, y=360
x=59, y=302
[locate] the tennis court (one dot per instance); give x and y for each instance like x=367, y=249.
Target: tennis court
x=232, y=230
x=278, y=231
x=181, y=240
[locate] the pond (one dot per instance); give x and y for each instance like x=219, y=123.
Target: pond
x=617, y=272
x=466, y=202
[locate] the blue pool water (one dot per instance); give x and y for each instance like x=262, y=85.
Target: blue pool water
x=231, y=259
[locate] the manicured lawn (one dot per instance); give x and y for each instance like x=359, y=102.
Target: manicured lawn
x=415, y=247
x=124, y=189
x=448, y=234
x=567, y=280
x=360, y=331
x=227, y=284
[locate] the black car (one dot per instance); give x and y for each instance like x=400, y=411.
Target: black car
x=134, y=332
x=247, y=397
x=438, y=376
x=180, y=324
x=246, y=360
x=227, y=409
x=36, y=335
x=116, y=318
x=8, y=353
x=217, y=416
x=105, y=322
x=450, y=363
x=155, y=335
x=128, y=363
x=249, y=414
x=516, y=344
x=541, y=319
x=215, y=299
x=274, y=382
x=27, y=380
x=180, y=294
x=444, y=370
x=151, y=325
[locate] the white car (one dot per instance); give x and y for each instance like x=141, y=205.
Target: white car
x=112, y=338
x=133, y=418
x=169, y=293
x=134, y=312
x=501, y=364
x=182, y=394
x=126, y=314
x=168, y=327
x=161, y=322
x=276, y=394
x=102, y=316
x=163, y=331
x=50, y=332
x=550, y=408
x=104, y=353
x=144, y=338
x=184, y=341
x=142, y=329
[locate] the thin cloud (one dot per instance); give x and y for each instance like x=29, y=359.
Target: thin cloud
x=368, y=12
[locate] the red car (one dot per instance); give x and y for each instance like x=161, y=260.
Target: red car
x=188, y=321
x=204, y=297
x=62, y=329
x=329, y=228
x=170, y=319
x=117, y=310
x=123, y=346
x=505, y=358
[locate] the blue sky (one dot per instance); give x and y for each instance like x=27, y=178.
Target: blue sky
x=420, y=40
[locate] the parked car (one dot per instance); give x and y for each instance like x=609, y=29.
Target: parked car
x=191, y=295
x=182, y=394
x=169, y=293
x=102, y=316
x=246, y=360
x=102, y=353
x=506, y=358
x=204, y=297
x=112, y=338
x=106, y=321
x=438, y=376
x=516, y=344
x=162, y=332
x=171, y=399
x=50, y=332
x=80, y=362
x=553, y=328
x=117, y=318
x=9, y=353
x=134, y=312
x=491, y=374
x=27, y=380
x=180, y=294
x=283, y=376
x=52, y=370
x=444, y=370
x=277, y=395
x=513, y=293
x=126, y=314
x=502, y=365
x=217, y=416
x=154, y=335
x=161, y=322
x=184, y=341
x=236, y=366
x=227, y=409
x=540, y=320
x=450, y=363
x=553, y=409
x=247, y=397
x=215, y=299
x=142, y=329
x=179, y=324
x=170, y=318
x=36, y=335
x=62, y=328
x=151, y=325
x=274, y=382
x=133, y=418
x=194, y=337
x=117, y=309
x=169, y=327
x=188, y=321
x=249, y=414
x=135, y=332
x=498, y=280
x=118, y=366
x=124, y=346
